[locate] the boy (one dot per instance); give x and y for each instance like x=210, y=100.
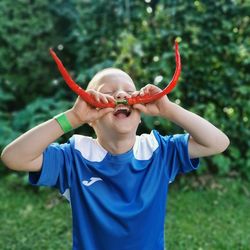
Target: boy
x=117, y=183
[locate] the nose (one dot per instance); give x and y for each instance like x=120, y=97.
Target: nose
x=120, y=94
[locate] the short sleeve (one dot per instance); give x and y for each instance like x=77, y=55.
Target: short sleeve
x=56, y=168
x=175, y=156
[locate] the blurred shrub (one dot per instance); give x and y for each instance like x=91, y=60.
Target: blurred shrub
x=138, y=37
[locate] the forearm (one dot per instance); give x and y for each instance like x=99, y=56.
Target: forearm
x=205, y=138
x=26, y=152
x=202, y=132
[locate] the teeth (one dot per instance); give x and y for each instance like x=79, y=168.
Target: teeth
x=122, y=108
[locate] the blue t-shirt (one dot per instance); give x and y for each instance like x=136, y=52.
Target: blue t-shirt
x=118, y=201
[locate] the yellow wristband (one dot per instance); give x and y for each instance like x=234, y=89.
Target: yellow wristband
x=63, y=122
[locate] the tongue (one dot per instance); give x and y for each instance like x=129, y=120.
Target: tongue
x=121, y=115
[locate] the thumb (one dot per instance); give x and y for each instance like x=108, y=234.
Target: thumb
x=104, y=111
x=140, y=107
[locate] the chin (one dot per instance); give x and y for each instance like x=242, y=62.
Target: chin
x=119, y=125
x=125, y=127
x=127, y=124
x=126, y=131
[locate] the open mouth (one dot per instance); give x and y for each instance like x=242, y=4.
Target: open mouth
x=122, y=111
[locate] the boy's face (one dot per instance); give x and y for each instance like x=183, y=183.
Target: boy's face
x=124, y=119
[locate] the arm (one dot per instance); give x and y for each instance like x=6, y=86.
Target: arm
x=26, y=152
x=205, y=138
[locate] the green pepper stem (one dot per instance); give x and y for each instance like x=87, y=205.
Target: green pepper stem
x=124, y=102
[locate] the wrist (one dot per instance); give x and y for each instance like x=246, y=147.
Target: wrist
x=168, y=110
x=68, y=120
x=73, y=118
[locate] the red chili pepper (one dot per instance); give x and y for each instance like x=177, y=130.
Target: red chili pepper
x=129, y=101
x=168, y=89
x=76, y=88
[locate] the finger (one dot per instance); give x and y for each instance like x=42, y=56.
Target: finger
x=147, y=88
x=97, y=97
x=95, y=94
x=110, y=98
x=91, y=91
x=140, y=107
x=153, y=89
x=142, y=92
x=103, y=98
x=136, y=93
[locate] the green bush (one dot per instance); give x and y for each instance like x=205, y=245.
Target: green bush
x=137, y=37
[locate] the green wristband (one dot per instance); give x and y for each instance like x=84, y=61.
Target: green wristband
x=63, y=122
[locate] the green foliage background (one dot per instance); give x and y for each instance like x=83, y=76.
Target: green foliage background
x=138, y=37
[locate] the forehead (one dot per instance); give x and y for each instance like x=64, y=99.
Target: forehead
x=112, y=79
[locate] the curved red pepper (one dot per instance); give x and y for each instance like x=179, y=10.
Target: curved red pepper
x=76, y=88
x=168, y=89
x=129, y=101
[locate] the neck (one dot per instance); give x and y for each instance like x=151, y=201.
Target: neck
x=118, y=145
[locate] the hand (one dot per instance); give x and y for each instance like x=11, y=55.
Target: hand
x=156, y=108
x=86, y=113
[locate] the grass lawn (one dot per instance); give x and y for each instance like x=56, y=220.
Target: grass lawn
x=210, y=216
x=206, y=214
